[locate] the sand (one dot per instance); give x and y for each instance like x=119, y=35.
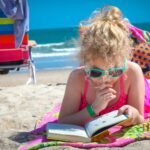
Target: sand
x=21, y=106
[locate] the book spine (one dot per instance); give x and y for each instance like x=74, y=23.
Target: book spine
x=100, y=136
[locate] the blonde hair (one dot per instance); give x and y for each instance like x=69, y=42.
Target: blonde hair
x=106, y=36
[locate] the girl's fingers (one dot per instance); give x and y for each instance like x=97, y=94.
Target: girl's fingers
x=125, y=110
x=122, y=110
x=108, y=96
x=129, y=113
x=132, y=116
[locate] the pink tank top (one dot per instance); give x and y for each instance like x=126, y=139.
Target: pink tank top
x=121, y=101
x=122, y=98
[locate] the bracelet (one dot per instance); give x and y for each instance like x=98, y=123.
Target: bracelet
x=90, y=110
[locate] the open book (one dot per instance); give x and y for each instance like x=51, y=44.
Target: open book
x=94, y=130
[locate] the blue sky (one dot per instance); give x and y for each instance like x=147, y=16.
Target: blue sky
x=68, y=13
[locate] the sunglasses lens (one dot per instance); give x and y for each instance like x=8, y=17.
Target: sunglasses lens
x=95, y=73
x=116, y=73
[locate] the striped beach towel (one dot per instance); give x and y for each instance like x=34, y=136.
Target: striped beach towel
x=37, y=138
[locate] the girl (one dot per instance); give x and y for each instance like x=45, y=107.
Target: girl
x=108, y=81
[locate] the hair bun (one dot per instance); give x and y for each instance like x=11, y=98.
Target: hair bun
x=111, y=13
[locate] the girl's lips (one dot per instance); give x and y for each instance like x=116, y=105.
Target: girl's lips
x=111, y=82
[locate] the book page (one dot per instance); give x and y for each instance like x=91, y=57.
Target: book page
x=103, y=122
x=66, y=132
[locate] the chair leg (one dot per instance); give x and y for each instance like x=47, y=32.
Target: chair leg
x=32, y=78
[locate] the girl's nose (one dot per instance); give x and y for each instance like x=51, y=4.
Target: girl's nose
x=106, y=78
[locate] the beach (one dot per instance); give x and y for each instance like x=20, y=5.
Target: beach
x=22, y=106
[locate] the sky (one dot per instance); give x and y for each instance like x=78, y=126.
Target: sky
x=68, y=13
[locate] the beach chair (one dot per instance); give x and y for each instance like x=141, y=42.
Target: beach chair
x=10, y=56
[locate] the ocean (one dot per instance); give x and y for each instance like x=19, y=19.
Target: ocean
x=58, y=48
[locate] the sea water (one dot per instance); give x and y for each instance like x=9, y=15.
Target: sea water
x=56, y=48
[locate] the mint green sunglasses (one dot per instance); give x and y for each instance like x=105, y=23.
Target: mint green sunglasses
x=113, y=72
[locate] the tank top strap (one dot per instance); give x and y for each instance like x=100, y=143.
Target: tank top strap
x=85, y=87
x=122, y=85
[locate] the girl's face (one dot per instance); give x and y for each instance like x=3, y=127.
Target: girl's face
x=99, y=64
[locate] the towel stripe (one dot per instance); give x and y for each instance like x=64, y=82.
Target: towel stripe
x=7, y=29
x=5, y=39
x=4, y=21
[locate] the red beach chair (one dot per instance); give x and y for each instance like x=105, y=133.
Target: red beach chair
x=10, y=56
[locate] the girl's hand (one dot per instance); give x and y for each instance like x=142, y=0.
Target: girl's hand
x=133, y=113
x=104, y=94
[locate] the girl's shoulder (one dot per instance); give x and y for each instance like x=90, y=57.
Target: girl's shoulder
x=133, y=67
x=133, y=70
x=78, y=74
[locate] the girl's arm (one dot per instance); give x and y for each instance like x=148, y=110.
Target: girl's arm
x=69, y=112
x=136, y=92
